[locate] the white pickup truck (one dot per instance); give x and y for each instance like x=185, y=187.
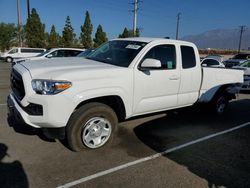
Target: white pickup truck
x=82, y=100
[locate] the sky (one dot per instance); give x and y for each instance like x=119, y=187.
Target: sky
x=156, y=18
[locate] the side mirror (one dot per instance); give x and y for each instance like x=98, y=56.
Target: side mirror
x=204, y=65
x=49, y=56
x=150, y=64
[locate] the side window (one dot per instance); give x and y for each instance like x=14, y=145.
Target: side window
x=23, y=50
x=30, y=50
x=37, y=51
x=73, y=53
x=61, y=53
x=210, y=62
x=165, y=54
x=54, y=54
x=188, y=57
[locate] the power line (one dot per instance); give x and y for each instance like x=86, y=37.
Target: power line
x=243, y=28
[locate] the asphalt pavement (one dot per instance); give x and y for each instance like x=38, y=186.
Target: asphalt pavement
x=189, y=148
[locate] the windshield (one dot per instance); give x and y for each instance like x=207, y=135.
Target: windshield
x=43, y=53
x=117, y=52
x=13, y=51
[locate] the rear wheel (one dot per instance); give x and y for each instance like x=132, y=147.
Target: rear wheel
x=220, y=103
x=91, y=126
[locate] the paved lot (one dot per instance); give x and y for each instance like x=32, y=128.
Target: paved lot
x=27, y=159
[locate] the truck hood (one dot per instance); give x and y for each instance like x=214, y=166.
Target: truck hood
x=53, y=67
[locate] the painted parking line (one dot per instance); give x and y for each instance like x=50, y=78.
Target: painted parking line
x=111, y=170
x=3, y=104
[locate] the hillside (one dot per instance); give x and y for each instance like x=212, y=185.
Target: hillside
x=220, y=38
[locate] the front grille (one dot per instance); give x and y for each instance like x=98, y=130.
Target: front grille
x=17, y=84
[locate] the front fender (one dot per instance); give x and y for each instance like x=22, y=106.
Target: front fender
x=104, y=92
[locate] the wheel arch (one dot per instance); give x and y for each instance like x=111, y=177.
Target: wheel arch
x=113, y=101
x=224, y=89
x=212, y=93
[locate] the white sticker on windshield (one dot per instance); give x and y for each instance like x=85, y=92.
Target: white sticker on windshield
x=133, y=46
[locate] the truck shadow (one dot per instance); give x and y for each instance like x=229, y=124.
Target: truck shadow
x=11, y=174
x=222, y=161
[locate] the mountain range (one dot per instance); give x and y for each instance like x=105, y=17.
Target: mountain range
x=221, y=38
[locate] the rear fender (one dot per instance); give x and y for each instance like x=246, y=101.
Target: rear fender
x=230, y=90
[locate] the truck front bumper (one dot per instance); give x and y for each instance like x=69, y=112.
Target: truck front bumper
x=12, y=110
x=22, y=117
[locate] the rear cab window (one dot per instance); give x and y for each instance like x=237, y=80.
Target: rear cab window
x=188, y=57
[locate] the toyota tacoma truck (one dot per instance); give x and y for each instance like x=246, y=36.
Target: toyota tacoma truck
x=82, y=100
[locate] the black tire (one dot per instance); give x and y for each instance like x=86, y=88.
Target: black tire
x=80, y=123
x=220, y=103
x=9, y=59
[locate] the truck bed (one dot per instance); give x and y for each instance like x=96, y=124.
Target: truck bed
x=213, y=78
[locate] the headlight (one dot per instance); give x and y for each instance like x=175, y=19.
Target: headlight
x=50, y=87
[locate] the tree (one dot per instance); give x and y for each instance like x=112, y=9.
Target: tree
x=35, y=35
x=8, y=33
x=53, y=38
x=129, y=33
x=137, y=32
x=100, y=37
x=86, y=31
x=125, y=33
x=68, y=35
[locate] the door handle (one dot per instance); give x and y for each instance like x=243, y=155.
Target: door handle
x=174, y=77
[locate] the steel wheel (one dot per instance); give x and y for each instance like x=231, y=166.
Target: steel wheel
x=96, y=132
x=91, y=126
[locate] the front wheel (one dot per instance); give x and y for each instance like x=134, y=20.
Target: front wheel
x=9, y=59
x=91, y=126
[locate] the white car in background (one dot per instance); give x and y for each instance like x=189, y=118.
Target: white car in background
x=20, y=52
x=217, y=57
x=54, y=53
x=210, y=62
x=245, y=66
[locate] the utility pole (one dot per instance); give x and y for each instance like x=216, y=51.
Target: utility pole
x=19, y=23
x=28, y=8
x=135, y=16
x=177, y=27
x=243, y=28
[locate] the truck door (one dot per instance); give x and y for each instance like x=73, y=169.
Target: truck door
x=190, y=76
x=157, y=89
